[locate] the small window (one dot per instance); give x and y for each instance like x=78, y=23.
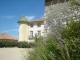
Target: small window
x=39, y=24
x=31, y=25
x=39, y=33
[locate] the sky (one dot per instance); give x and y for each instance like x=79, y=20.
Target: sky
x=12, y=10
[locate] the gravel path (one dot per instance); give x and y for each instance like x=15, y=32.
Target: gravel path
x=14, y=53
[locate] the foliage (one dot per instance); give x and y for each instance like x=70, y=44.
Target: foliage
x=24, y=45
x=8, y=43
x=50, y=50
x=73, y=46
x=72, y=30
x=39, y=49
x=58, y=49
x=71, y=35
x=74, y=2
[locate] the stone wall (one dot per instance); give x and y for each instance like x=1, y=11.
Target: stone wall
x=57, y=14
x=55, y=2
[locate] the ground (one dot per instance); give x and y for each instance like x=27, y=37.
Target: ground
x=14, y=53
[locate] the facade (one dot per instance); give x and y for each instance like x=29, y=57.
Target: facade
x=28, y=29
x=36, y=27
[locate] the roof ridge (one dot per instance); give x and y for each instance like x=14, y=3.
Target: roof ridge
x=38, y=20
x=7, y=36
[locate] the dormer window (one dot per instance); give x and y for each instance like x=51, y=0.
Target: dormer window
x=39, y=24
x=31, y=25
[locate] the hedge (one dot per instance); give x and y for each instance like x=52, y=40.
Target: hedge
x=8, y=43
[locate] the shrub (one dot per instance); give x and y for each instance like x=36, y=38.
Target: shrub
x=71, y=35
x=73, y=46
x=8, y=43
x=38, y=49
x=74, y=2
x=24, y=45
x=72, y=30
x=56, y=48
x=50, y=50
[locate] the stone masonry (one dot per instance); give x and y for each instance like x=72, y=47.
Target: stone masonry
x=56, y=14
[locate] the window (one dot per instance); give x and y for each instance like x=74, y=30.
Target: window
x=31, y=25
x=31, y=34
x=39, y=33
x=39, y=24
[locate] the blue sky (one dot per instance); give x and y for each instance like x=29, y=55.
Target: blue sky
x=12, y=10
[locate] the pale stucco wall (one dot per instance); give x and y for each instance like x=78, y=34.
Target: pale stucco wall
x=23, y=32
x=35, y=29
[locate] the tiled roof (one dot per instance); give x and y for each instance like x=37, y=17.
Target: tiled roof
x=23, y=20
x=6, y=36
x=39, y=20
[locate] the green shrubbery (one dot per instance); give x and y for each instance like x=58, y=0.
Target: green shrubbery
x=71, y=35
x=66, y=47
x=72, y=30
x=50, y=50
x=8, y=43
x=74, y=2
x=25, y=45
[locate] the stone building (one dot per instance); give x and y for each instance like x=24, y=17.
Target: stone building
x=57, y=12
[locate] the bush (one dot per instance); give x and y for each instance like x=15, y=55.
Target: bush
x=56, y=48
x=73, y=46
x=74, y=2
x=24, y=45
x=50, y=50
x=72, y=30
x=8, y=43
x=38, y=49
x=71, y=35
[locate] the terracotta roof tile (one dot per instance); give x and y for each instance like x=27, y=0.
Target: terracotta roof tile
x=39, y=20
x=6, y=36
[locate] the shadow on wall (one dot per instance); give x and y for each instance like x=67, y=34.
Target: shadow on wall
x=55, y=2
